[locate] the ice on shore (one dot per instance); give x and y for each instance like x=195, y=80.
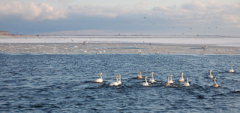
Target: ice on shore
x=220, y=41
x=132, y=45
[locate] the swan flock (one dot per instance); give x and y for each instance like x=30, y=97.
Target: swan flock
x=152, y=80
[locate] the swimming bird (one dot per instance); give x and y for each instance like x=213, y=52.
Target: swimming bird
x=140, y=76
x=119, y=82
x=210, y=76
x=186, y=83
x=167, y=83
x=171, y=81
x=100, y=80
x=115, y=83
x=181, y=79
x=145, y=83
x=215, y=84
x=152, y=80
x=231, y=70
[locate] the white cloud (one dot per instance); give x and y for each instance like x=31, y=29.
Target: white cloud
x=30, y=11
x=110, y=12
x=197, y=12
x=194, y=12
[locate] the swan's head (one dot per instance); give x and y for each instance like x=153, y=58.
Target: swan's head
x=215, y=78
x=231, y=65
x=101, y=73
x=182, y=73
x=146, y=77
x=171, y=75
x=210, y=70
x=153, y=73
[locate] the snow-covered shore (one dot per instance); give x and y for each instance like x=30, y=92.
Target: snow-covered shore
x=130, y=45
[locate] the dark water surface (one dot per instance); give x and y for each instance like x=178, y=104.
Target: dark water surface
x=64, y=83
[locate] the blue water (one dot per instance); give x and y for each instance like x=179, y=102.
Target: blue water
x=64, y=83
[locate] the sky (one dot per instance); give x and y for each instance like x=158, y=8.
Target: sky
x=124, y=17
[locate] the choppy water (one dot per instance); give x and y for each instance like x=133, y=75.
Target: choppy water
x=64, y=83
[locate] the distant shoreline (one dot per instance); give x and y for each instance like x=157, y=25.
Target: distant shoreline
x=121, y=36
x=116, y=48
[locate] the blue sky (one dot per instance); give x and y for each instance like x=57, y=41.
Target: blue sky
x=111, y=17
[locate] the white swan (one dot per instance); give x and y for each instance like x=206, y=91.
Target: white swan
x=140, y=76
x=231, y=70
x=171, y=81
x=119, y=82
x=115, y=83
x=215, y=84
x=100, y=80
x=181, y=79
x=167, y=83
x=145, y=83
x=210, y=76
x=186, y=83
x=152, y=80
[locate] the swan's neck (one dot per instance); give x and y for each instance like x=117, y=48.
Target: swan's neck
x=182, y=75
x=146, y=79
x=215, y=81
x=167, y=80
x=120, y=78
x=171, y=78
x=187, y=80
x=140, y=73
x=117, y=78
x=210, y=72
x=231, y=68
x=152, y=76
x=101, y=76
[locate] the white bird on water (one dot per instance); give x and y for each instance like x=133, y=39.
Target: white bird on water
x=100, y=80
x=119, y=82
x=152, y=80
x=115, y=83
x=210, y=76
x=167, y=83
x=140, y=76
x=231, y=70
x=181, y=79
x=186, y=83
x=215, y=83
x=171, y=81
x=145, y=83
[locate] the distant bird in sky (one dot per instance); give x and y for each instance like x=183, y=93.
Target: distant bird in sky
x=72, y=39
x=144, y=17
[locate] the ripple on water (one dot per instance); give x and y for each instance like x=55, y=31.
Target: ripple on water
x=65, y=83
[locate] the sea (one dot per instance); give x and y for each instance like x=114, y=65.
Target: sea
x=58, y=83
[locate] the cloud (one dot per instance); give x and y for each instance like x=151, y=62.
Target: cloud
x=30, y=11
x=111, y=12
x=124, y=17
x=197, y=12
x=194, y=5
